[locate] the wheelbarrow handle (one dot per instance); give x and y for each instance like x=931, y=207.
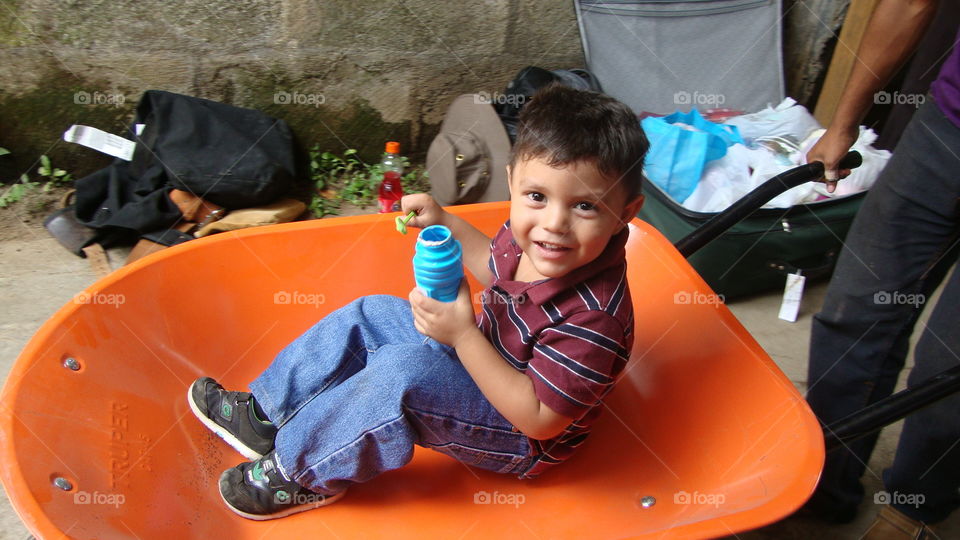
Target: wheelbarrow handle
x=752, y=201
x=882, y=413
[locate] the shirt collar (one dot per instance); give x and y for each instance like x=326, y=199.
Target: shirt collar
x=506, y=256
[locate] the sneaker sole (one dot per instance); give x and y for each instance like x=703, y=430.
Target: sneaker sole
x=288, y=512
x=220, y=431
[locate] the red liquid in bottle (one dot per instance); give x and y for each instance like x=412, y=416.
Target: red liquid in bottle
x=391, y=190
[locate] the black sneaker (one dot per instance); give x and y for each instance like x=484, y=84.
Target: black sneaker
x=231, y=416
x=258, y=490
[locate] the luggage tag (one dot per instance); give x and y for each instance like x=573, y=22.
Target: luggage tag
x=792, y=294
x=100, y=140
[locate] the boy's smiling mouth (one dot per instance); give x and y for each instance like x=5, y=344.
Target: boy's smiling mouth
x=549, y=246
x=548, y=250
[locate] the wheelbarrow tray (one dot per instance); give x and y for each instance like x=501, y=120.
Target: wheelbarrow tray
x=704, y=436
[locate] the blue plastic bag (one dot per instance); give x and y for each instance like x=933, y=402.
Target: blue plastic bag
x=678, y=153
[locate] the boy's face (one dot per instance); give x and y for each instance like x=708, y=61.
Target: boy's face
x=562, y=218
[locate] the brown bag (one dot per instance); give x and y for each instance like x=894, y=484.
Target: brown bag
x=194, y=208
x=196, y=212
x=281, y=211
x=211, y=219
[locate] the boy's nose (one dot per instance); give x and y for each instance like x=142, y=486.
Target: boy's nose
x=556, y=220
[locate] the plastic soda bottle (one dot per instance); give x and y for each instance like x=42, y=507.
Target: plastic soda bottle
x=438, y=263
x=391, y=190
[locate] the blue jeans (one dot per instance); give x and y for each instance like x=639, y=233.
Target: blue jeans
x=354, y=394
x=899, y=249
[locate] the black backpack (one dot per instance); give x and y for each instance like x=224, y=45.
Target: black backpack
x=231, y=156
x=525, y=85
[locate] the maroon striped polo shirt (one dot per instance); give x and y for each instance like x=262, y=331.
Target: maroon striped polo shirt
x=571, y=335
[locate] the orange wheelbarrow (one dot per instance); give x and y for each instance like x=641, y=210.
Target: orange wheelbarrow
x=702, y=437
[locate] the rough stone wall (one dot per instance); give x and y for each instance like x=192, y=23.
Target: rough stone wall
x=810, y=30
x=344, y=74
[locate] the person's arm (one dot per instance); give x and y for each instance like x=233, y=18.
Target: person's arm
x=894, y=30
x=508, y=390
x=475, y=244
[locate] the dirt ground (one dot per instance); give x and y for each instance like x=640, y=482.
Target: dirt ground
x=28, y=213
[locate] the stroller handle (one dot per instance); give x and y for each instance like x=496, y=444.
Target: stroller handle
x=752, y=201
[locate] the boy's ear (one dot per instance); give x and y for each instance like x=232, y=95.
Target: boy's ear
x=631, y=209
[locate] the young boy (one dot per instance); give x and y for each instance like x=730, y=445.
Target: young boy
x=514, y=389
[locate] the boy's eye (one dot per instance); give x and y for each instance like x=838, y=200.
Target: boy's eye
x=536, y=197
x=585, y=206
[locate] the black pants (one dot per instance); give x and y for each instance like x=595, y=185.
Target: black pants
x=899, y=248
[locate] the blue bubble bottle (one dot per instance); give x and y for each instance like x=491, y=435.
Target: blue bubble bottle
x=438, y=263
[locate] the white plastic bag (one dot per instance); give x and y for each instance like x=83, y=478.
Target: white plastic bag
x=787, y=118
x=731, y=177
x=723, y=182
x=778, y=139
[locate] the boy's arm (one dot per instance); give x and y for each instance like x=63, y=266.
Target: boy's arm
x=508, y=390
x=475, y=244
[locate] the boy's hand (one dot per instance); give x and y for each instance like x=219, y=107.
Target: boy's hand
x=427, y=209
x=445, y=322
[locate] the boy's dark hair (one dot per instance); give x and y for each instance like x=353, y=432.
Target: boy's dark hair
x=562, y=125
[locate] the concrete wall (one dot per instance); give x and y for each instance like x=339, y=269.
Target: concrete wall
x=344, y=74
x=348, y=74
x=810, y=29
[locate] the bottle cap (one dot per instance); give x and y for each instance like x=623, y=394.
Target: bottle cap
x=393, y=147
